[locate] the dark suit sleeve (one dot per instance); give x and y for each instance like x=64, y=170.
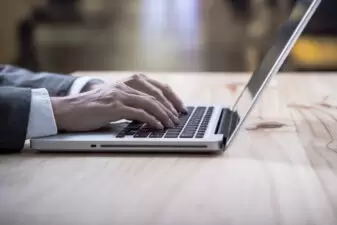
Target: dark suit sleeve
x=56, y=84
x=14, y=114
x=15, y=99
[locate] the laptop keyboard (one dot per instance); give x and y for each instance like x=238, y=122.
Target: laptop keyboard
x=192, y=124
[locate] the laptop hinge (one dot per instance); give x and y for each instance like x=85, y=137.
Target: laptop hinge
x=227, y=124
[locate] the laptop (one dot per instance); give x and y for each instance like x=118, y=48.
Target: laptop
x=205, y=128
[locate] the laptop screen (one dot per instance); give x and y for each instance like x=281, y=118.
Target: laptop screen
x=288, y=34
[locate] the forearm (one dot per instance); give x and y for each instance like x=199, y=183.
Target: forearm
x=56, y=84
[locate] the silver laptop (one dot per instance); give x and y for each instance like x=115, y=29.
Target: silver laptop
x=205, y=128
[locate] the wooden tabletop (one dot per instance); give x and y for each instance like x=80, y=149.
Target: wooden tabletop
x=282, y=168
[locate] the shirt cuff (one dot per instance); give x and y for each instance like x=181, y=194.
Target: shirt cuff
x=41, y=120
x=79, y=84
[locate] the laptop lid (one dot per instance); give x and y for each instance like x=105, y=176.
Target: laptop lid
x=289, y=32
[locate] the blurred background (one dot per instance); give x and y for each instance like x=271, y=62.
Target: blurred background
x=158, y=35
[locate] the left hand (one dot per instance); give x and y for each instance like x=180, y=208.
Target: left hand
x=142, y=85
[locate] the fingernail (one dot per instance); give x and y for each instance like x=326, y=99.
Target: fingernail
x=176, y=120
x=170, y=123
x=175, y=111
x=185, y=109
x=159, y=126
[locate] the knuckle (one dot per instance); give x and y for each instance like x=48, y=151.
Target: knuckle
x=115, y=95
x=150, y=98
x=142, y=75
x=157, y=93
x=167, y=87
x=119, y=97
x=106, y=96
x=120, y=86
x=136, y=77
x=117, y=104
x=142, y=113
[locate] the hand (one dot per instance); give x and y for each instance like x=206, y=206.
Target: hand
x=97, y=108
x=146, y=86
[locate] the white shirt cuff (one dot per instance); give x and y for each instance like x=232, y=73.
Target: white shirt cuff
x=78, y=85
x=41, y=120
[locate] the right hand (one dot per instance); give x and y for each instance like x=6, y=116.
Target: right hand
x=97, y=108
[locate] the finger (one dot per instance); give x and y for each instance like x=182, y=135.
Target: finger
x=169, y=94
x=148, y=88
x=158, y=94
x=141, y=115
x=173, y=117
x=150, y=105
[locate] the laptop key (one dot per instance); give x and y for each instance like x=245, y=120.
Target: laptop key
x=204, y=124
x=131, y=133
x=141, y=134
x=187, y=135
x=171, y=135
x=120, y=135
x=202, y=130
x=174, y=131
x=193, y=123
x=157, y=134
x=139, y=131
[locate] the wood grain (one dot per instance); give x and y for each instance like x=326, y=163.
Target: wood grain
x=286, y=175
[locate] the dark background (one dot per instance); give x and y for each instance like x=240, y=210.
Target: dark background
x=160, y=35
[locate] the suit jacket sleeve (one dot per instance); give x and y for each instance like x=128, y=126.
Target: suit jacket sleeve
x=14, y=114
x=15, y=101
x=56, y=84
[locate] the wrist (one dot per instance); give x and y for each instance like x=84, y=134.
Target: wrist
x=60, y=107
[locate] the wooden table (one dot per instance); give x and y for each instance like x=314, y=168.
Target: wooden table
x=285, y=175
